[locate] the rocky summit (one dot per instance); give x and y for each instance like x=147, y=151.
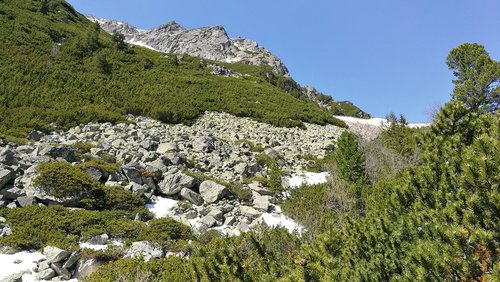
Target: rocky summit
x=211, y=43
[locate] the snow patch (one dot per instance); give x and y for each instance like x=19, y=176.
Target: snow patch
x=163, y=207
x=142, y=44
x=280, y=220
x=378, y=121
x=97, y=247
x=308, y=178
x=28, y=262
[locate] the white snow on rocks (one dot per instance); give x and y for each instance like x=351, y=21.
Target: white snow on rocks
x=163, y=207
x=18, y=262
x=307, y=178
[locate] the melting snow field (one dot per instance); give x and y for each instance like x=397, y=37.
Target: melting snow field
x=27, y=261
x=378, y=121
x=308, y=178
x=163, y=207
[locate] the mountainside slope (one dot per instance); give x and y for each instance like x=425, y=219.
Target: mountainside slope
x=211, y=43
x=58, y=68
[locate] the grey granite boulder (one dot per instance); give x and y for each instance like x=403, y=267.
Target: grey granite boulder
x=55, y=254
x=6, y=175
x=172, y=184
x=212, y=191
x=191, y=196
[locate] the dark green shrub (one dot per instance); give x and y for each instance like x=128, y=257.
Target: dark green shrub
x=34, y=227
x=172, y=269
x=62, y=179
x=164, y=230
x=99, y=164
x=398, y=137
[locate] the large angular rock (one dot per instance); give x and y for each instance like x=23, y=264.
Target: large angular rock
x=217, y=214
x=262, y=202
x=208, y=221
x=35, y=135
x=61, y=271
x=204, y=144
x=149, y=145
x=7, y=157
x=25, y=201
x=167, y=148
x=54, y=254
x=132, y=174
x=46, y=274
x=71, y=260
x=249, y=212
x=211, y=191
x=6, y=175
x=191, y=196
x=94, y=173
x=12, y=192
x=137, y=189
x=175, y=158
x=85, y=267
x=173, y=184
x=63, y=152
x=145, y=249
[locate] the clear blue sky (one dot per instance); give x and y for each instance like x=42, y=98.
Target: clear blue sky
x=384, y=55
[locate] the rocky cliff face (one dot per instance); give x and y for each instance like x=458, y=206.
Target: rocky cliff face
x=211, y=43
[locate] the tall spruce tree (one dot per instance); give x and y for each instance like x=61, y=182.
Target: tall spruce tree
x=349, y=159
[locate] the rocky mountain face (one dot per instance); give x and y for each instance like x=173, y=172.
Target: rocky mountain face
x=211, y=43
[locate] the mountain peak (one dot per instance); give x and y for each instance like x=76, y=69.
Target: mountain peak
x=170, y=26
x=211, y=42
